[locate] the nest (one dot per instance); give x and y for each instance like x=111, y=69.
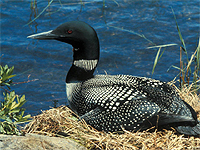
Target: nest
x=63, y=122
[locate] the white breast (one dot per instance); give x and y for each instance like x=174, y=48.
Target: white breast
x=70, y=88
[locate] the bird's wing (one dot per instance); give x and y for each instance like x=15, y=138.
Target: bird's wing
x=188, y=130
x=129, y=115
x=113, y=104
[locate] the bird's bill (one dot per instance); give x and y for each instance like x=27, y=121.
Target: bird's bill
x=43, y=36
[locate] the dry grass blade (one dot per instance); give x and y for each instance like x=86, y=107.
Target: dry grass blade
x=197, y=67
x=39, y=14
x=158, y=46
x=191, y=59
x=133, y=32
x=158, y=55
x=198, y=54
x=156, y=60
x=63, y=122
x=179, y=32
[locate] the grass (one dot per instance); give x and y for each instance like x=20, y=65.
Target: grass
x=63, y=122
x=185, y=68
x=185, y=72
x=188, y=75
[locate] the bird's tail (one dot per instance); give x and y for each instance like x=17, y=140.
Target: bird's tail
x=188, y=130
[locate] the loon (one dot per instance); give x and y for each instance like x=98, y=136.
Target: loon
x=112, y=103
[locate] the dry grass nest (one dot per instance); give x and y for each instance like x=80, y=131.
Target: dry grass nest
x=63, y=122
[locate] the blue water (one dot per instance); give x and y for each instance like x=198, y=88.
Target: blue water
x=122, y=52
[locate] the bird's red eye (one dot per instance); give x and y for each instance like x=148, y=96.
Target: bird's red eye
x=69, y=31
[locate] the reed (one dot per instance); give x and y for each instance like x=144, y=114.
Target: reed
x=34, y=3
x=187, y=75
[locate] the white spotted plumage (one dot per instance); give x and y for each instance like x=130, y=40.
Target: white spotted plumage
x=122, y=101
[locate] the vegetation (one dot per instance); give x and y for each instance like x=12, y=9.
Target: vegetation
x=11, y=113
x=186, y=70
x=6, y=74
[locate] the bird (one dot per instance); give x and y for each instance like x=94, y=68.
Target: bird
x=114, y=103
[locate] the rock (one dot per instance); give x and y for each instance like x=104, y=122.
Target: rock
x=37, y=142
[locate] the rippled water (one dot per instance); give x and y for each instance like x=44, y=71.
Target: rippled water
x=122, y=52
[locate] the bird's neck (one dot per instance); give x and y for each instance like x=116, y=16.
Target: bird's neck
x=85, y=60
x=81, y=70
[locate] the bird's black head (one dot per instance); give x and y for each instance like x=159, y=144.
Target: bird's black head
x=80, y=35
